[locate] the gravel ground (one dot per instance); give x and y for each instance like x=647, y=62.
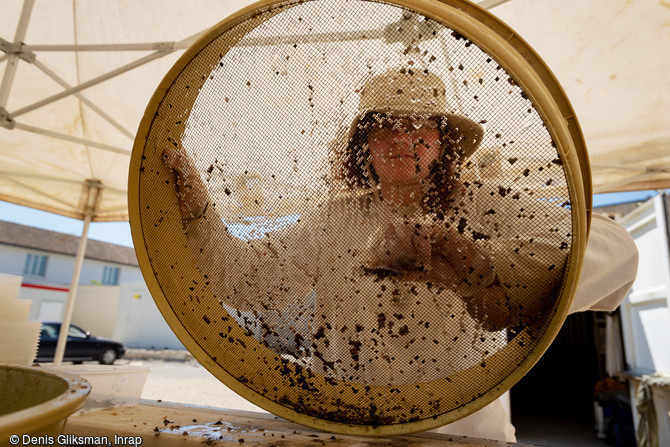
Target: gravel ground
x=176, y=377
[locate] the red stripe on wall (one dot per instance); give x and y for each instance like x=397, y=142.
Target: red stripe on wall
x=37, y=286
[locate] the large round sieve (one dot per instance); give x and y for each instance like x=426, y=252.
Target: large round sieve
x=363, y=216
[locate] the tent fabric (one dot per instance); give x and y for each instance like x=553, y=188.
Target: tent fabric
x=48, y=173
x=609, y=55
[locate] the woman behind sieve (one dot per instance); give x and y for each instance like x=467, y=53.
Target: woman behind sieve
x=416, y=273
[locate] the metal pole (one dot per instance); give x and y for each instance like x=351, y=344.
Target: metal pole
x=102, y=78
x=13, y=59
x=65, y=137
x=153, y=46
x=92, y=82
x=104, y=115
x=663, y=198
x=488, y=4
x=93, y=190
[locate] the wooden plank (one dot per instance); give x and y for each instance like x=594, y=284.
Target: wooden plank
x=168, y=424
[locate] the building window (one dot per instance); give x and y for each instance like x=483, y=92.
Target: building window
x=110, y=276
x=36, y=265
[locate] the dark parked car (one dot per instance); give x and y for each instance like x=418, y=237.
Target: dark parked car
x=80, y=346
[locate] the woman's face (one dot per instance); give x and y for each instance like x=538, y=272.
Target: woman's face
x=403, y=149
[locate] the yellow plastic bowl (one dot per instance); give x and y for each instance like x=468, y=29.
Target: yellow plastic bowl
x=37, y=403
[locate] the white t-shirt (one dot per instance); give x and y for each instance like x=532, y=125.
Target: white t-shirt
x=380, y=330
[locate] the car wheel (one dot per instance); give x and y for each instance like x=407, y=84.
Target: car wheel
x=108, y=356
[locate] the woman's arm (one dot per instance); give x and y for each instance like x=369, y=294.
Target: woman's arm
x=248, y=275
x=466, y=260
x=191, y=191
x=508, y=256
x=609, y=268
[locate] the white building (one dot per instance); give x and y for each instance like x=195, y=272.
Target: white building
x=112, y=298
x=645, y=314
x=46, y=258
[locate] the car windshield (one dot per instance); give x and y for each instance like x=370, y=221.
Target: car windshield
x=49, y=331
x=76, y=332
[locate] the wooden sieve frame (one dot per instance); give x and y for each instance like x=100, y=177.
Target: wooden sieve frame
x=513, y=54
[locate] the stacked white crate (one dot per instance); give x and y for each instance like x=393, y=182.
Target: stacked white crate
x=19, y=336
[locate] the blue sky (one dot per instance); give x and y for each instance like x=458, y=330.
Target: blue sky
x=119, y=232
x=114, y=232
x=614, y=198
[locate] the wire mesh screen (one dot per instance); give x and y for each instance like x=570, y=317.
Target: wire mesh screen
x=355, y=212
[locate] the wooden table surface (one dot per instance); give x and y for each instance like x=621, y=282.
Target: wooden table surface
x=169, y=424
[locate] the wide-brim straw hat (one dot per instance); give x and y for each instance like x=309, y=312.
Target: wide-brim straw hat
x=405, y=92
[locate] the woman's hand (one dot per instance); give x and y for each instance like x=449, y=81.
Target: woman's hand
x=470, y=260
x=191, y=192
x=446, y=257
x=478, y=286
x=431, y=252
x=397, y=249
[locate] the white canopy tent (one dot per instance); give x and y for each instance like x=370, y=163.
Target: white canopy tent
x=79, y=74
x=77, y=77
x=612, y=59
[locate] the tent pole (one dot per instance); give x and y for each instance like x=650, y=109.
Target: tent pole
x=93, y=190
x=489, y=4
x=85, y=100
x=102, y=78
x=92, y=82
x=66, y=137
x=12, y=61
x=152, y=46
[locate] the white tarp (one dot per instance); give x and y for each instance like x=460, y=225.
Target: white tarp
x=609, y=55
